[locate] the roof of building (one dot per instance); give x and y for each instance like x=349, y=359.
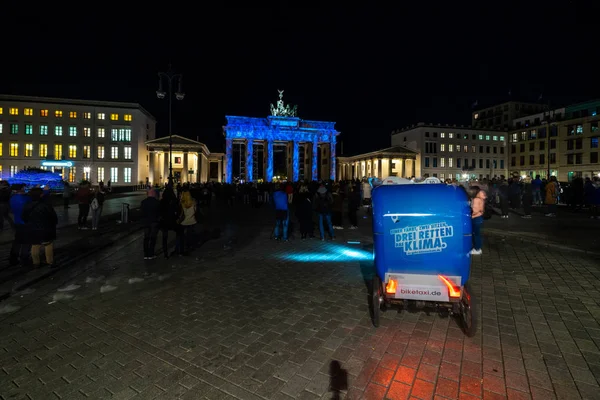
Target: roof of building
x=178, y=141
x=444, y=126
x=78, y=102
x=394, y=151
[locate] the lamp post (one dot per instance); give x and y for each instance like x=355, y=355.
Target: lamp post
x=170, y=77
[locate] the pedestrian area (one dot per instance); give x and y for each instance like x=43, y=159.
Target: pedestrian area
x=245, y=317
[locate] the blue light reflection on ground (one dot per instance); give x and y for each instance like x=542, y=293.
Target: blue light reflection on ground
x=330, y=252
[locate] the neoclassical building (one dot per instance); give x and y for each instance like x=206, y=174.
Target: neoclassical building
x=192, y=161
x=281, y=146
x=393, y=161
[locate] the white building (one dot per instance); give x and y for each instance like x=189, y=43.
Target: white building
x=79, y=139
x=450, y=151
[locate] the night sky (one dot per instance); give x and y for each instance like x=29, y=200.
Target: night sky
x=369, y=69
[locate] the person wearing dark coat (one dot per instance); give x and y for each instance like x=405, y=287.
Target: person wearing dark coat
x=304, y=212
x=40, y=227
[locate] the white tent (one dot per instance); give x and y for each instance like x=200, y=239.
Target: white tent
x=394, y=180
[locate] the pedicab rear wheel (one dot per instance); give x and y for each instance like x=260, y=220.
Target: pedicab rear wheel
x=376, y=293
x=466, y=318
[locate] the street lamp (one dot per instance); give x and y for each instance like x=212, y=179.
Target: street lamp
x=170, y=77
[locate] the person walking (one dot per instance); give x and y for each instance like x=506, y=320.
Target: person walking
x=96, y=207
x=84, y=197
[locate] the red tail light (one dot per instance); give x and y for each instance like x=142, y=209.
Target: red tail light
x=453, y=290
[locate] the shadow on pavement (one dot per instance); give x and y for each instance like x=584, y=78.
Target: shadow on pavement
x=338, y=379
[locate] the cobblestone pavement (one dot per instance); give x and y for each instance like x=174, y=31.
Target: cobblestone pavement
x=249, y=318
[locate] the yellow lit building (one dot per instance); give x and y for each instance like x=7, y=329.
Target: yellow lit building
x=79, y=139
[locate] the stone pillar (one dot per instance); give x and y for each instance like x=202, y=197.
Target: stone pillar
x=165, y=167
x=332, y=146
x=315, y=158
x=228, y=160
x=408, y=165
x=184, y=173
x=269, y=156
x=296, y=161
x=220, y=177
x=401, y=168
x=151, y=167
x=249, y=159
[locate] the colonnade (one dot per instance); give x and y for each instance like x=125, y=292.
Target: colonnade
x=379, y=167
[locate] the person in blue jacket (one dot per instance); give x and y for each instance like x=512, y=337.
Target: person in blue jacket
x=280, y=200
x=19, y=251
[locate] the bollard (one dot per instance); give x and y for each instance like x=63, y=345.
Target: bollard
x=124, y=213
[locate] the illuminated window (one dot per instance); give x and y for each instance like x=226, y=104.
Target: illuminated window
x=502, y=138
x=73, y=114
x=487, y=137
x=127, y=152
x=101, y=132
x=473, y=149
x=1, y=156
x=114, y=174
x=72, y=174
x=100, y=152
x=476, y=116
x=450, y=162
x=114, y=134
x=72, y=131
x=28, y=149
x=72, y=151
x=58, y=130
x=87, y=132
x=28, y=129
x=101, y=116
x=43, y=150
x=28, y=111
x=13, y=111
x=127, y=175
x=87, y=115
x=125, y=135
x=442, y=147
x=114, y=152
x=458, y=148
x=127, y=117
x=58, y=114
x=442, y=135
x=58, y=151
x=13, y=170
x=100, y=174
x=87, y=150
x=466, y=148
x=495, y=138
x=14, y=129
x=43, y=113
x=14, y=149
x=44, y=130
x=451, y=147
x=1, y=128
x=451, y=135
x=480, y=137
x=1, y=110
x=442, y=162
x=114, y=117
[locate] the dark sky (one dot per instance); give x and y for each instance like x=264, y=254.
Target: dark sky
x=370, y=69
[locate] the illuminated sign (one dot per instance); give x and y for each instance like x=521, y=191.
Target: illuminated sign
x=57, y=163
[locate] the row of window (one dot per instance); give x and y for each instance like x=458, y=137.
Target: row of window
x=572, y=144
x=465, y=136
x=116, y=134
x=72, y=175
x=433, y=163
x=533, y=134
x=72, y=114
x=572, y=159
x=432, y=147
x=14, y=151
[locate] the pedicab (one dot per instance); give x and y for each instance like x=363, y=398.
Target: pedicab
x=422, y=243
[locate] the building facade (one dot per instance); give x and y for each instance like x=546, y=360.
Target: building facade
x=191, y=161
x=394, y=161
x=563, y=142
x=450, y=151
x=501, y=116
x=78, y=139
x=280, y=146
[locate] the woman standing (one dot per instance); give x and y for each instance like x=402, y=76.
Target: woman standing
x=40, y=227
x=96, y=207
x=187, y=221
x=304, y=211
x=477, y=209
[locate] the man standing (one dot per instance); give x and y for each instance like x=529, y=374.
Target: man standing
x=280, y=199
x=150, y=209
x=19, y=252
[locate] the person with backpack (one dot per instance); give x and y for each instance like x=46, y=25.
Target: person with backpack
x=323, y=204
x=96, y=207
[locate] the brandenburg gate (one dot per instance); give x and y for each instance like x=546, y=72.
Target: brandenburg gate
x=305, y=148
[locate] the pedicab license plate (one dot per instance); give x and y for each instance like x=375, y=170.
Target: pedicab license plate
x=421, y=287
